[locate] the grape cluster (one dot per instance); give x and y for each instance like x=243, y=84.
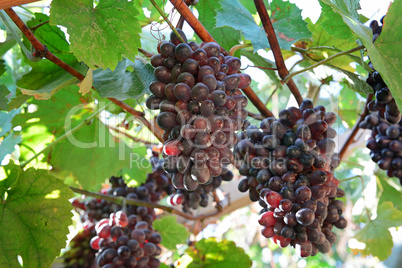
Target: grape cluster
x=201, y=106
x=383, y=103
x=127, y=241
x=289, y=166
x=80, y=254
x=385, y=144
x=198, y=197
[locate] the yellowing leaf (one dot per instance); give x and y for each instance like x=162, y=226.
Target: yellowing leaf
x=86, y=84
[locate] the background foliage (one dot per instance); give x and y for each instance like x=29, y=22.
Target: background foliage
x=40, y=103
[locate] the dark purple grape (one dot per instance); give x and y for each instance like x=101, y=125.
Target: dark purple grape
x=182, y=91
x=199, y=92
x=175, y=39
x=167, y=49
x=186, y=78
x=212, y=49
x=305, y=216
x=162, y=74
x=207, y=108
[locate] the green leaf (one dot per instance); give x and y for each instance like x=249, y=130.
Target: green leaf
x=383, y=55
x=137, y=174
x=376, y=236
x=332, y=23
x=234, y=15
x=391, y=193
x=53, y=113
x=128, y=80
x=154, y=14
x=45, y=78
x=7, y=146
x=3, y=97
x=17, y=101
x=349, y=106
x=7, y=45
x=172, y=233
x=34, y=217
x=288, y=23
x=99, y=36
x=227, y=37
x=51, y=87
x=91, y=155
x=210, y=253
x=358, y=85
x=5, y=121
x=261, y=61
x=330, y=46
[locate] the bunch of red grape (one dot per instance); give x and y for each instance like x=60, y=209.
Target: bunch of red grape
x=201, y=106
x=288, y=163
x=127, y=241
x=385, y=144
x=383, y=103
x=80, y=254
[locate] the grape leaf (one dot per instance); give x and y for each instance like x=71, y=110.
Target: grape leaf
x=376, y=236
x=234, y=15
x=212, y=254
x=154, y=14
x=45, y=78
x=391, y=193
x=358, y=84
x=7, y=146
x=128, y=80
x=34, y=217
x=263, y=62
x=86, y=84
x=330, y=46
x=17, y=101
x=5, y=121
x=383, y=55
x=45, y=91
x=7, y=45
x=137, y=174
x=333, y=24
x=99, y=36
x=3, y=97
x=288, y=23
x=91, y=155
x=172, y=233
x=53, y=113
x=227, y=37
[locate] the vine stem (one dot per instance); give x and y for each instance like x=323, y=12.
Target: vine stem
x=289, y=76
x=66, y=134
x=167, y=20
x=135, y=139
x=119, y=200
x=205, y=36
x=276, y=50
x=356, y=128
x=145, y=53
x=42, y=51
x=235, y=48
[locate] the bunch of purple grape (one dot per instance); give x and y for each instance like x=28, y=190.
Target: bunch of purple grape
x=385, y=144
x=289, y=166
x=127, y=241
x=198, y=197
x=201, y=106
x=383, y=103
